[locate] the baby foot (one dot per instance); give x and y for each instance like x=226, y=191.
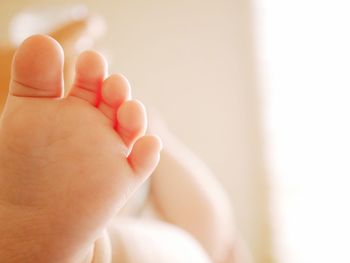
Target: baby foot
x=66, y=164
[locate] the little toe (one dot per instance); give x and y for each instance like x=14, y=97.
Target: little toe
x=131, y=121
x=144, y=156
x=91, y=69
x=115, y=90
x=37, y=68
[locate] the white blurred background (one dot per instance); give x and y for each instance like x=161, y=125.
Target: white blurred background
x=304, y=60
x=260, y=92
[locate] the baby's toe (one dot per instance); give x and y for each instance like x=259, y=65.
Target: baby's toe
x=115, y=91
x=91, y=69
x=37, y=68
x=144, y=156
x=131, y=121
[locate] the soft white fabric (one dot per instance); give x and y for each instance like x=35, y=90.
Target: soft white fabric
x=133, y=241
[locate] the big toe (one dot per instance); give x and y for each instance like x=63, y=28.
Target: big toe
x=37, y=68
